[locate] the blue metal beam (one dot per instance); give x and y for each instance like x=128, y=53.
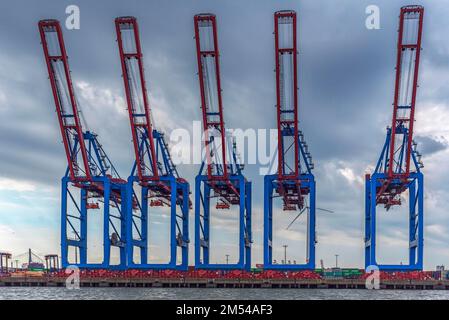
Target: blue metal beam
x=415, y=187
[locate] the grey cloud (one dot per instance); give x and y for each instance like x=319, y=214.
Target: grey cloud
x=429, y=145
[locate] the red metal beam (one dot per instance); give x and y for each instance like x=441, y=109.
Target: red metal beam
x=66, y=107
x=139, y=114
x=410, y=26
x=207, y=23
x=287, y=115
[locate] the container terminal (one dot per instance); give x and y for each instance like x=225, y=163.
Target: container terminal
x=92, y=183
x=334, y=279
x=38, y=272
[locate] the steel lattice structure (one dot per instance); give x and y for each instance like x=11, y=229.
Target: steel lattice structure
x=89, y=171
x=294, y=182
x=219, y=178
x=153, y=172
x=398, y=168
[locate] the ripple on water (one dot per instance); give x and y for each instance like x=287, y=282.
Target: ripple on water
x=18, y=293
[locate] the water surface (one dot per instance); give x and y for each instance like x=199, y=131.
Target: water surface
x=42, y=293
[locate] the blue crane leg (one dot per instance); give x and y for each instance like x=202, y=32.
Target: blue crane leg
x=248, y=227
x=106, y=238
x=83, y=225
x=64, y=245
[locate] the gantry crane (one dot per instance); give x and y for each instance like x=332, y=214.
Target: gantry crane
x=4, y=262
x=220, y=178
x=294, y=182
x=398, y=168
x=89, y=168
x=153, y=172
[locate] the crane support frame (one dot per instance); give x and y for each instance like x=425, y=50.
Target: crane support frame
x=415, y=188
x=111, y=193
x=167, y=191
x=203, y=195
x=179, y=204
x=271, y=185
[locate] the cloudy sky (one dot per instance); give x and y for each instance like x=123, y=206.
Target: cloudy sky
x=346, y=77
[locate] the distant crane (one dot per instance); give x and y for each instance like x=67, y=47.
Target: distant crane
x=4, y=259
x=398, y=168
x=89, y=168
x=51, y=262
x=294, y=181
x=219, y=178
x=29, y=259
x=153, y=171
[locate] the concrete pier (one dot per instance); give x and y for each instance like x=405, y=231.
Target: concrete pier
x=224, y=283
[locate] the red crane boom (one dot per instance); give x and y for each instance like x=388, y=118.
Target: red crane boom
x=136, y=97
x=210, y=87
x=65, y=101
x=406, y=84
x=287, y=93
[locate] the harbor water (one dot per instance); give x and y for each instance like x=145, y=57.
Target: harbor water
x=46, y=293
